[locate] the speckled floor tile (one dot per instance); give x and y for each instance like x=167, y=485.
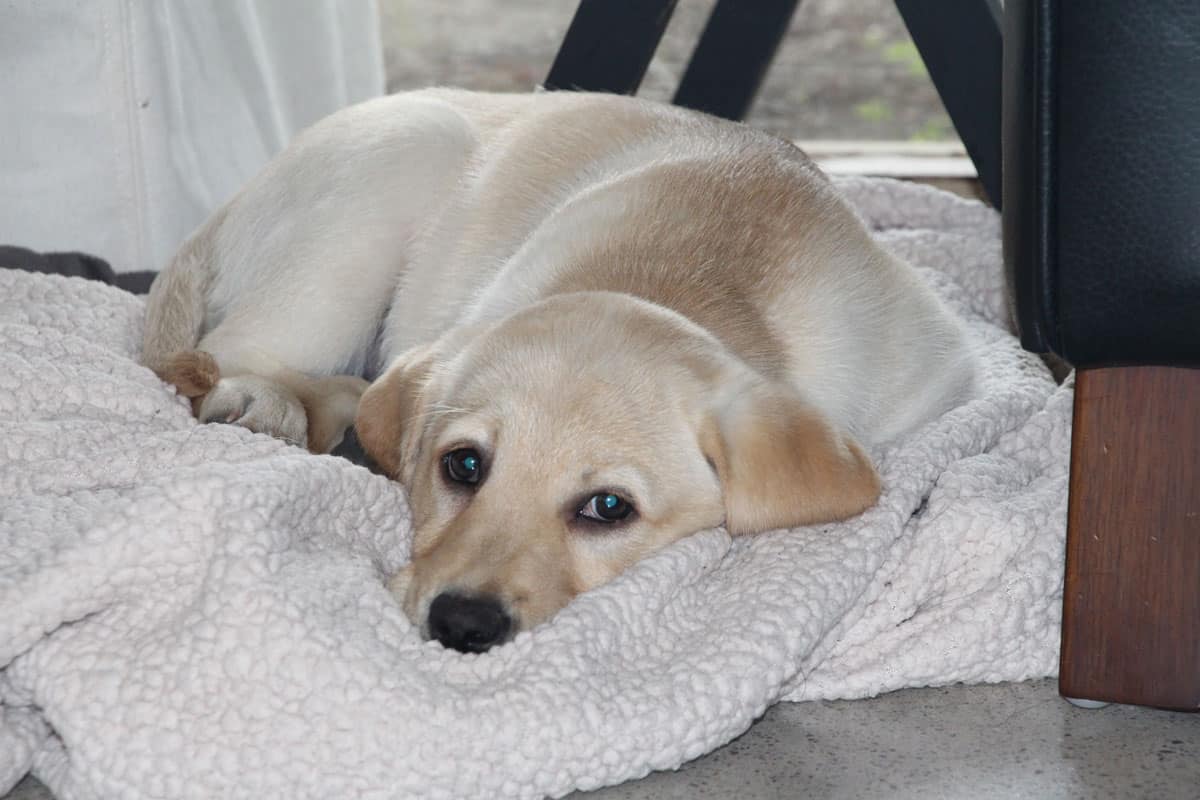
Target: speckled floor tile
x=969, y=743
x=960, y=743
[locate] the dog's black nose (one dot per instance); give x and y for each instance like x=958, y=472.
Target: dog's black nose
x=468, y=624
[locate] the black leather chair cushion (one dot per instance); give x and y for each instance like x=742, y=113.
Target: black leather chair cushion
x=1102, y=178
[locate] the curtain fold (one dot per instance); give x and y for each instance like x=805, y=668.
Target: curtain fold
x=125, y=123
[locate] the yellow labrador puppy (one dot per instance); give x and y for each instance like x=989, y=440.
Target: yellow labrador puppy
x=594, y=324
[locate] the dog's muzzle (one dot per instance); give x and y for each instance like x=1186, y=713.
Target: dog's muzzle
x=468, y=623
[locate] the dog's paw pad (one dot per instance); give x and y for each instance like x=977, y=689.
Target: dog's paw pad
x=225, y=403
x=258, y=405
x=235, y=414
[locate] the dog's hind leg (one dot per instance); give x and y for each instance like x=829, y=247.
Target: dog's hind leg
x=175, y=310
x=330, y=404
x=240, y=385
x=285, y=289
x=306, y=411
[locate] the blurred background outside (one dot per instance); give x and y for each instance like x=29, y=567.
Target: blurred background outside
x=847, y=69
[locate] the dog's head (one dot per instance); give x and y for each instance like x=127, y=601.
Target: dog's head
x=546, y=453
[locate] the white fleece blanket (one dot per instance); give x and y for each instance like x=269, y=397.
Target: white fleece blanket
x=197, y=611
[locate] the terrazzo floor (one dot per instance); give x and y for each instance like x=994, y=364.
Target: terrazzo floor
x=960, y=743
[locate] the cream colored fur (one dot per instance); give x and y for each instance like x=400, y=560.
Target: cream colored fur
x=597, y=294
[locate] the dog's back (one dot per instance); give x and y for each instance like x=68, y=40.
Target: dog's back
x=445, y=207
x=733, y=228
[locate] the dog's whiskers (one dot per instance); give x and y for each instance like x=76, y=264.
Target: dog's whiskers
x=438, y=410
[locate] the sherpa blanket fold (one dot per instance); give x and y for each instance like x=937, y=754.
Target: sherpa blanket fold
x=193, y=611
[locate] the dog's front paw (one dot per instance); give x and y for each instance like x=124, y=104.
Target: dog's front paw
x=258, y=404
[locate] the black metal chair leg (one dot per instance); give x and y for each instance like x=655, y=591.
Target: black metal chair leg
x=732, y=56
x=962, y=45
x=609, y=45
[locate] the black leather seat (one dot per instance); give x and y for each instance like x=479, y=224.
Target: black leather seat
x=1102, y=178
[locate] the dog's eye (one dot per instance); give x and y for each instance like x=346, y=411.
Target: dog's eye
x=606, y=507
x=463, y=465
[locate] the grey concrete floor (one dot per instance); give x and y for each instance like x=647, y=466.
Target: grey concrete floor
x=959, y=743
x=970, y=742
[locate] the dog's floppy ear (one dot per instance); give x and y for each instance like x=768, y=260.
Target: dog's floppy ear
x=388, y=421
x=781, y=463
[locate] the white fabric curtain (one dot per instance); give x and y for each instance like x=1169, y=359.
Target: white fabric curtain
x=124, y=123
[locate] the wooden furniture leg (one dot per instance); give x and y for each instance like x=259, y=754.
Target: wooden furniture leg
x=1131, y=602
